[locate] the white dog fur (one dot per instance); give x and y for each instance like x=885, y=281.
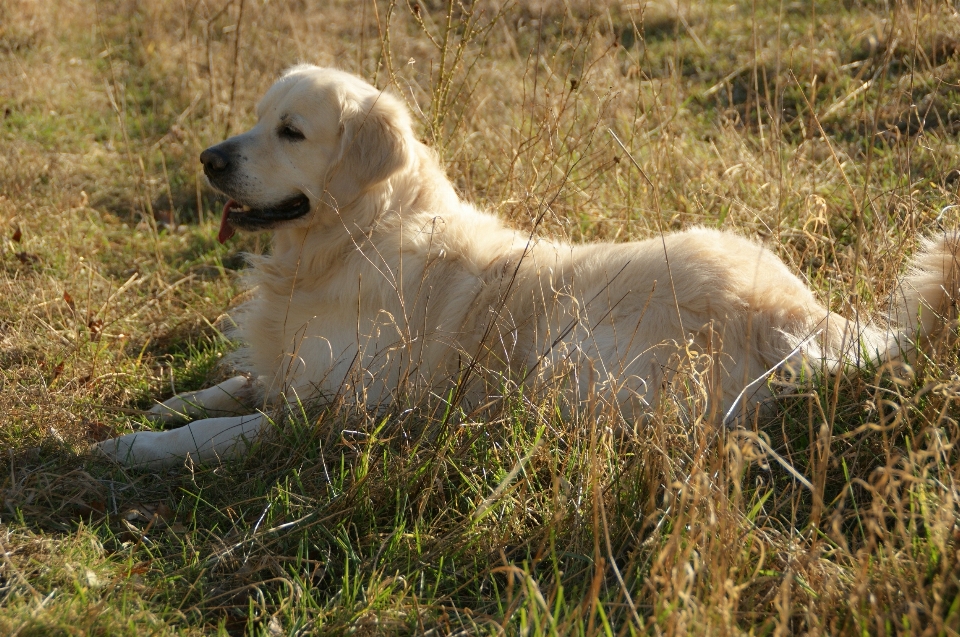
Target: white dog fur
x=383, y=283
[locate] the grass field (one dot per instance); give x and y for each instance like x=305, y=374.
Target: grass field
x=829, y=130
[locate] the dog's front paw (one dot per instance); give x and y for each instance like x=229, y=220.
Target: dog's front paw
x=139, y=449
x=225, y=399
x=171, y=412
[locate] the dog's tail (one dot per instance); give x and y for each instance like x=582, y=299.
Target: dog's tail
x=924, y=305
x=928, y=293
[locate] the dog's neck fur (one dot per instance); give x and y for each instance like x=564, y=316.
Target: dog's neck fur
x=406, y=200
x=393, y=231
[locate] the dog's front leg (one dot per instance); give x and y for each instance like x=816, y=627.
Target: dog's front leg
x=202, y=440
x=220, y=400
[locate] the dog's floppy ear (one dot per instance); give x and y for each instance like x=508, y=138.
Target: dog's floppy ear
x=373, y=144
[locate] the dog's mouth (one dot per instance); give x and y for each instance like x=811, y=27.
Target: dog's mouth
x=237, y=215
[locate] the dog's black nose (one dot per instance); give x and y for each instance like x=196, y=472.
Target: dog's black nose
x=214, y=161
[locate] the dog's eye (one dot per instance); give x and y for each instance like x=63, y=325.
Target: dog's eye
x=290, y=133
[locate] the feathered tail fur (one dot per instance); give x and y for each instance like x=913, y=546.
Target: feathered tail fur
x=924, y=306
x=929, y=291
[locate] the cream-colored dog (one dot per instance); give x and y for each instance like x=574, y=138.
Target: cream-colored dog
x=383, y=285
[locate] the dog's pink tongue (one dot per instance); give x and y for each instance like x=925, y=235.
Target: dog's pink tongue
x=226, y=230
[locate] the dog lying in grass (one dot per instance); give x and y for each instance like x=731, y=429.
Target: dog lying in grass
x=383, y=285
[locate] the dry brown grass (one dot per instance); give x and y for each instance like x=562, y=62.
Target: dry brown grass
x=829, y=131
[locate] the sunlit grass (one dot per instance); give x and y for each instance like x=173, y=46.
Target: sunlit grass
x=826, y=130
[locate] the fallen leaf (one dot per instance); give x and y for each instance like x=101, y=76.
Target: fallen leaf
x=98, y=431
x=165, y=512
x=97, y=505
x=274, y=627
x=92, y=580
x=138, y=513
x=26, y=258
x=87, y=508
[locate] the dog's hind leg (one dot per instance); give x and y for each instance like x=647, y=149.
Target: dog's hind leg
x=227, y=398
x=202, y=440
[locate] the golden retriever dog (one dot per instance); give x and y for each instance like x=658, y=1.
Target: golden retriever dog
x=384, y=285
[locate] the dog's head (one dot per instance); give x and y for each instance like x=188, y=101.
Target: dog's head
x=323, y=138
